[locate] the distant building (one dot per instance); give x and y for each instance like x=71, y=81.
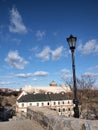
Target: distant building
x=5, y=90
x=52, y=96
x=53, y=83
x=58, y=101
x=53, y=88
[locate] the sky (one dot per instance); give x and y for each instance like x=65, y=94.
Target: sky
x=33, y=46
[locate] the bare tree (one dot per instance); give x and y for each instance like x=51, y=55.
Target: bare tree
x=85, y=86
x=68, y=81
x=86, y=82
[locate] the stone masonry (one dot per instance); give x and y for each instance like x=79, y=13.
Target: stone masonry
x=50, y=120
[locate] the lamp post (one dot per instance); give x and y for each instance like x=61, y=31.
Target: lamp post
x=72, y=43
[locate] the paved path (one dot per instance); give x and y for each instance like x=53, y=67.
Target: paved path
x=20, y=125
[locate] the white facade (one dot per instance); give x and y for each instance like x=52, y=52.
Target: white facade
x=63, y=107
x=53, y=89
x=53, y=97
x=22, y=107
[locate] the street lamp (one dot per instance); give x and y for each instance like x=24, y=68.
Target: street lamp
x=72, y=43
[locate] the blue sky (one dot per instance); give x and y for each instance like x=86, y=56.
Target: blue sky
x=33, y=47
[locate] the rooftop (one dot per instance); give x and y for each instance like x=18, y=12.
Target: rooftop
x=43, y=97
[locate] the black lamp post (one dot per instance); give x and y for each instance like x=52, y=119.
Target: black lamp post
x=72, y=43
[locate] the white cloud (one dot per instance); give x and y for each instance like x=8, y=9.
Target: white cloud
x=15, y=61
x=57, y=53
x=55, y=34
x=80, y=47
x=40, y=73
x=8, y=83
x=86, y=74
x=22, y=75
x=65, y=74
x=90, y=47
x=16, y=23
x=96, y=67
x=40, y=35
x=34, y=79
x=93, y=68
x=65, y=71
x=17, y=41
x=45, y=54
x=34, y=48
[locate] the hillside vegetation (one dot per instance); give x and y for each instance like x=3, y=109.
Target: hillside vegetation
x=8, y=98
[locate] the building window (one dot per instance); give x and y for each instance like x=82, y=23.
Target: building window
x=58, y=103
x=54, y=103
x=48, y=103
x=59, y=110
x=30, y=104
x=22, y=104
x=63, y=102
x=37, y=104
x=42, y=104
x=68, y=109
x=68, y=102
x=63, y=109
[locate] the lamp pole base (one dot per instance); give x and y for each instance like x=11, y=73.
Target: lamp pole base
x=76, y=112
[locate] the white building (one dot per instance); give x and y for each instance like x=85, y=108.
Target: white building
x=53, y=97
x=53, y=88
x=58, y=101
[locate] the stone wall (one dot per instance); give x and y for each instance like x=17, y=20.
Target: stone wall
x=50, y=120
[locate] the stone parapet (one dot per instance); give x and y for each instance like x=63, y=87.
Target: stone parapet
x=50, y=120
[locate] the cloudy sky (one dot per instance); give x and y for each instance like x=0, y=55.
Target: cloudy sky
x=33, y=46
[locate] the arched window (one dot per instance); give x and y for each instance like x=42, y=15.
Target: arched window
x=30, y=104
x=59, y=110
x=68, y=109
x=54, y=103
x=37, y=104
x=22, y=104
x=42, y=104
x=63, y=109
x=63, y=102
x=58, y=103
x=48, y=103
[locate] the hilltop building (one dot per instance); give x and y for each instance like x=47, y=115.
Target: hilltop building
x=52, y=88
x=53, y=97
x=53, y=83
x=58, y=102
